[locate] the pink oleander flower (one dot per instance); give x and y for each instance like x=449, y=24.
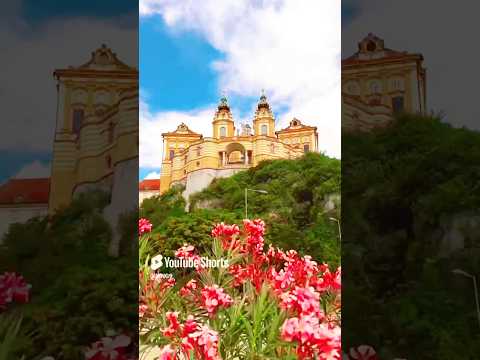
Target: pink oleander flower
x=168, y=353
x=189, y=287
x=188, y=252
x=144, y=226
x=227, y=234
x=194, y=339
x=185, y=252
x=174, y=325
x=254, y=227
x=302, y=301
x=207, y=343
x=280, y=280
x=213, y=297
x=255, y=230
x=109, y=348
x=329, y=281
x=314, y=339
x=13, y=288
x=363, y=352
x=142, y=309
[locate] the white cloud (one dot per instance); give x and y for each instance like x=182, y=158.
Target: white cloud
x=442, y=31
x=290, y=48
x=152, y=125
x=152, y=176
x=35, y=169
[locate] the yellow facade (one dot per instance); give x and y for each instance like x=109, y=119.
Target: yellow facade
x=378, y=82
x=96, y=125
x=186, y=152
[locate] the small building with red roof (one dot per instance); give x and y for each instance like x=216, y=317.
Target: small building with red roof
x=148, y=188
x=23, y=199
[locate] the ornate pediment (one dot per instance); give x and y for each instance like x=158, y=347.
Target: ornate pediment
x=182, y=128
x=104, y=59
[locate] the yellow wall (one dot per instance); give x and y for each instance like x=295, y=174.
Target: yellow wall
x=83, y=159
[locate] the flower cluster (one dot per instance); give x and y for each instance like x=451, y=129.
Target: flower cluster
x=227, y=234
x=189, y=338
x=315, y=339
x=303, y=301
x=214, y=297
x=144, y=226
x=189, y=288
x=13, y=288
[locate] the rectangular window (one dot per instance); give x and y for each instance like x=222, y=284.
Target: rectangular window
x=397, y=104
x=77, y=120
x=172, y=154
x=223, y=131
x=306, y=148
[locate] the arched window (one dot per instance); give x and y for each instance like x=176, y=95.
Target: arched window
x=223, y=131
x=264, y=129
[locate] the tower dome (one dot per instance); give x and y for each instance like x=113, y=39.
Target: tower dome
x=223, y=124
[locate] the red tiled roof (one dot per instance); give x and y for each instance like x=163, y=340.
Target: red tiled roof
x=149, y=185
x=25, y=191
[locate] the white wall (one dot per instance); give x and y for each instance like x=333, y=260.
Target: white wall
x=17, y=214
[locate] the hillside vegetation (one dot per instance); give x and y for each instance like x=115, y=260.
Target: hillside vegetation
x=411, y=200
x=296, y=208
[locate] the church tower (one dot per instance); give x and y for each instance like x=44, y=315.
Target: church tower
x=223, y=124
x=264, y=122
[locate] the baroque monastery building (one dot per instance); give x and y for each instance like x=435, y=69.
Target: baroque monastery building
x=378, y=82
x=96, y=136
x=194, y=160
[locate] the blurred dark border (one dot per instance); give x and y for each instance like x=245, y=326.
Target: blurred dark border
x=410, y=189
x=69, y=178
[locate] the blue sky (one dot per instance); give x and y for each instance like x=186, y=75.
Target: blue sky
x=174, y=71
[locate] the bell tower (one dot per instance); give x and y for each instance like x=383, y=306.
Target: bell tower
x=264, y=122
x=223, y=124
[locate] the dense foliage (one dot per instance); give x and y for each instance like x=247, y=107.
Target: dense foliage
x=79, y=292
x=295, y=207
x=402, y=188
